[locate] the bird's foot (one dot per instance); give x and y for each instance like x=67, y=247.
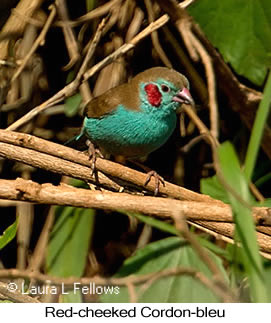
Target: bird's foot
x=157, y=178
x=93, y=153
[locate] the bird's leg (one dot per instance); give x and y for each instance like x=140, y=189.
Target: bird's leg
x=93, y=152
x=158, y=179
x=151, y=173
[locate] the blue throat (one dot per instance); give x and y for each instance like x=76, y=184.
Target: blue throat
x=131, y=133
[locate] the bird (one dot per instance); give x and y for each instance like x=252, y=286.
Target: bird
x=136, y=118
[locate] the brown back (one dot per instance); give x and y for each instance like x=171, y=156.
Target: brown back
x=127, y=94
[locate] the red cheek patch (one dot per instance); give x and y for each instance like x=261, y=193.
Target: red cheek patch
x=154, y=95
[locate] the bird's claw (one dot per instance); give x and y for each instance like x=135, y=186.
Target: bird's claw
x=93, y=153
x=157, y=178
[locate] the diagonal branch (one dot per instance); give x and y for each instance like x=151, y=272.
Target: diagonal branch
x=64, y=160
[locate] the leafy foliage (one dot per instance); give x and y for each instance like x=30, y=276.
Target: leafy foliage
x=245, y=228
x=72, y=104
x=160, y=255
x=241, y=30
x=9, y=234
x=69, y=244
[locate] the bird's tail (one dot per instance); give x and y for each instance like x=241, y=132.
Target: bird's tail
x=73, y=139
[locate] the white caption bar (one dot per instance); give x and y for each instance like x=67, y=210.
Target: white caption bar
x=88, y=312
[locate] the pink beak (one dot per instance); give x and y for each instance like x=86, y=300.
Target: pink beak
x=184, y=96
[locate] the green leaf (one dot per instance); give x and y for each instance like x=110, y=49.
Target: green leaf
x=91, y=4
x=69, y=242
x=71, y=297
x=241, y=30
x=262, y=180
x=9, y=234
x=244, y=225
x=267, y=275
x=257, y=130
x=78, y=183
x=72, y=104
x=157, y=256
x=169, y=228
x=212, y=187
x=155, y=223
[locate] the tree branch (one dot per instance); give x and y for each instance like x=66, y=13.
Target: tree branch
x=57, y=158
x=213, y=216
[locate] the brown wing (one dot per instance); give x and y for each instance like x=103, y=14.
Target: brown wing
x=128, y=93
x=107, y=102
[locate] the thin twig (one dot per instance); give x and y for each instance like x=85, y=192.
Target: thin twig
x=91, y=49
x=71, y=43
x=84, y=87
x=204, y=131
x=126, y=47
x=38, y=255
x=39, y=41
x=154, y=36
x=210, y=74
x=256, y=192
x=132, y=292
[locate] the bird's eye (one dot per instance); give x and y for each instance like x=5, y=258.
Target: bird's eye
x=165, y=88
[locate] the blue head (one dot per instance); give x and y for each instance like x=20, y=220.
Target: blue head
x=162, y=91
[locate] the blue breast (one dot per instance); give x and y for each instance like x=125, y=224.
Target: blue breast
x=130, y=133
